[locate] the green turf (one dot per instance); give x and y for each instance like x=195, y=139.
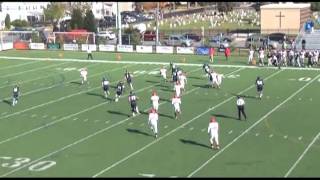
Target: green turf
x=60, y=121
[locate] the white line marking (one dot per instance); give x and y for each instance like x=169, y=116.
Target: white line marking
x=230, y=132
x=286, y=136
x=107, y=122
x=155, y=63
x=17, y=65
x=82, y=139
x=85, y=120
x=257, y=134
x=147, y=175
x=4, y=113
x=271, y=135
x=300, y=138
x=174, y=130
x=252, y=126
x=75, y=119
x=165, y=126
x=301, y=156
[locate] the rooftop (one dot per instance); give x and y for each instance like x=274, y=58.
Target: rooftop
x=286, y=6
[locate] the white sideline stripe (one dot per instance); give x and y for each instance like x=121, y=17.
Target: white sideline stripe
x=153, y=63
x=174, y=130
x=301, y=156
x=53, y=101
x=64, y=118
x=252, y=126
x=18, y=65
x=35, y=69
x=42, y=77
x=87, y=137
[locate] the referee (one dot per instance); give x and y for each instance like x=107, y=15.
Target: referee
x=89, y=51
x=240, y=105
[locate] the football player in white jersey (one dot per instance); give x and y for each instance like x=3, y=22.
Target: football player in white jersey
x=155, y=100
x=250, y=58
x=183, y=80
x=213, y=131
x=163, y=73
x=105, y=87
x=83, y=75
x=153, y=121
x=177, y=88
x=176, y=101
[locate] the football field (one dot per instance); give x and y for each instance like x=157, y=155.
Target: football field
x=60, y=128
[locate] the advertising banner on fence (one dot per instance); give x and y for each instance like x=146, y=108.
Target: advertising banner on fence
x=70, y=47
x=20, y=45
x=185, y=50
x=6, y=46
x=37, y=46
x=107, y=47
x=164, y=49
x=124, y=48
x=144, y=49
x=53, y=46
x=202, y=51
x=84, y=47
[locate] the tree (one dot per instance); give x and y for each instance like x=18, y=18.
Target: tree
x=76, y=19
x=54, y=12
x=7, y=21
x=225, y=6
x=315, y=6
x=19, y=23
x=89, y=22
x=135, y=36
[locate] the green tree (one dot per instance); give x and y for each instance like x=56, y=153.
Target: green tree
x=89, y=22
x=54, y=12
x=19, y=23
x=135, y=36
x=7, y=21
x=225, y=6
x=76, y=19
x=315, y=6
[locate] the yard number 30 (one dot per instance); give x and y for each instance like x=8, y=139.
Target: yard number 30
x=17, y=162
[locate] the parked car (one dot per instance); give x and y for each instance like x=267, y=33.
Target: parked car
x=219, y=42
x=149, y=36
x=256, y=41
x=177, y=40
x=276, y=40
x=192, y=36
x=107, y=34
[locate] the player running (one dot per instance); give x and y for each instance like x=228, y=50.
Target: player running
x=183, y=80
x=176, y=101
x=259, y=84
x=119, y=90
x=155, y=100
x=15, y=95
x=177, y=88
x=128, y=78
x=83, y=75
x=153, y=121
x=105, y=87
x=163, y=73
x=133, y=103
x=213, y=130
x=206, y=68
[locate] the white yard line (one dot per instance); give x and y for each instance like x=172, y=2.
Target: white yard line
x=18, y=65
x=91, y=135
x=302, y=155
x=53, y=101
x=35, y=69
x=41, y=77
x=154, y=63
x=172, y=131
x=252, y=126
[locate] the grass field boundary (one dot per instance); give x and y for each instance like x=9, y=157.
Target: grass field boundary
x=92, y=135
x=153, y=63
x=252, y=126
x=302, y=155
x=176, y=129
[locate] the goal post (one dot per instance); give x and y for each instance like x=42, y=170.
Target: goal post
x=77, y=37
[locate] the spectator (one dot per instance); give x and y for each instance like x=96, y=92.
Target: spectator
x=227, y=52
x=303, y=43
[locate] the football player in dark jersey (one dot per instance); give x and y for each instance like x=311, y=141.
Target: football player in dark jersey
x=119, y=90
x=15, y=95
x=105, y=86
x=133, y=103
x=259, y=84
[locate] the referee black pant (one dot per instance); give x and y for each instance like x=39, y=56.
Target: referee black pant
x=241, y=110
x=89, y=55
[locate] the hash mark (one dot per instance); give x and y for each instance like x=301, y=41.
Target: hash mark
x=85, y=120
x=300, y=138
x=96, y=120
x=257, y=134
x=165, y=126
x=191, y=128
x=107, y=122
x=285, y=136
x=230, y=132
x=75, y=118
x=271, y=135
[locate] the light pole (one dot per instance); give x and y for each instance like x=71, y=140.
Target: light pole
x=157, y=24
x=119, y=24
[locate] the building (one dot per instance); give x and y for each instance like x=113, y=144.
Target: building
x=29, y=11
x=284, y=17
